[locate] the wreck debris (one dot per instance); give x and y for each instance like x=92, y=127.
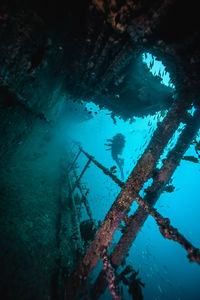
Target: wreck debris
x=74, y=161
x=80, y=176
x=136, y=221
x=84, y=198
x=77, y=233
x=108, y=269
x=169, y=232
x=76, y=210
x=140, y=174
x=104, y=169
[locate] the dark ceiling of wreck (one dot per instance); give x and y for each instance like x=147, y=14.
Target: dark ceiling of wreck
x=93, y=48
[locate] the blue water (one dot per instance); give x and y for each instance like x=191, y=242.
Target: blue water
x=162, y=264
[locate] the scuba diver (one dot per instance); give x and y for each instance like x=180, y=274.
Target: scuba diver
x=116, y=145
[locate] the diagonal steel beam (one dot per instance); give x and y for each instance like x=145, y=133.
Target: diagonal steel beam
x=104, y=169
x=140, y=174
x=170, y=232
x=137, y=220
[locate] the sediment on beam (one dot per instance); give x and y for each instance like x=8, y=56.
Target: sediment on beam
x=140, y=174
x=137, y=220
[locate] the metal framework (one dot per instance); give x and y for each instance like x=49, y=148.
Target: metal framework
x=144, y=170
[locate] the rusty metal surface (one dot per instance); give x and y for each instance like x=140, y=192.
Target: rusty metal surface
x=137, y=220
x=140, y=174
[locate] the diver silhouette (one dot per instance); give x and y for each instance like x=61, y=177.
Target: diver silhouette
x=116, y=145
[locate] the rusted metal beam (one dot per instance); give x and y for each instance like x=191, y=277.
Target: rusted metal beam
x=137, y=220
x=153, y=192
x=169, y=232
x=110, y=275
x=140, y=174
x=104, y=169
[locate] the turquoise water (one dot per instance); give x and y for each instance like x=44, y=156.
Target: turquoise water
x=162, y=264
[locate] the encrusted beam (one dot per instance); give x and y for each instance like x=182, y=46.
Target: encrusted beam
x=104, y=169
x=136, y=221
x=140, y=174
x=169, y=232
